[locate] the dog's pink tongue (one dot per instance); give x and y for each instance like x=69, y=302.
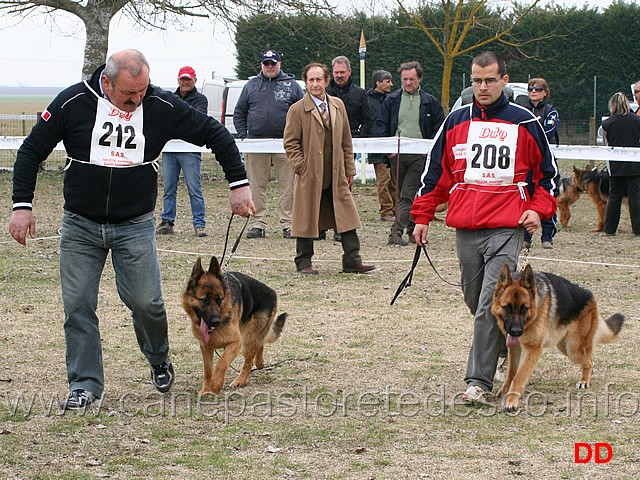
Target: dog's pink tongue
x=511, y=341
x=204, y=330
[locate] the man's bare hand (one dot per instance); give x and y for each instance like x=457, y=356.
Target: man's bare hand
x=420, y=233
x=241, y=201
x=530, y=220
x=22, y=221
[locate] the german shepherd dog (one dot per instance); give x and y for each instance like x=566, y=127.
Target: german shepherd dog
x=596, y=184
x=542, y=310
x=230, y=311
x=569, y=195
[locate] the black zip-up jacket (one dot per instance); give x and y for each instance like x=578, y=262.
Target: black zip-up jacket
x=194, y=98
x=355, y=101
x=374, y=102
x=431, y=115
x=114, y=195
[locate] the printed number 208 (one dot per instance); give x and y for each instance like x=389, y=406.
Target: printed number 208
x=492, y=156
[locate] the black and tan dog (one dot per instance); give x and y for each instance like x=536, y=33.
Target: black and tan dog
x=596, y=184
x=542, y=310
x=230, y=311
x=569, y=195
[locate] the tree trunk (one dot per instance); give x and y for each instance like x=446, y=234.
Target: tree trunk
x=446, y=82
x=97, y=43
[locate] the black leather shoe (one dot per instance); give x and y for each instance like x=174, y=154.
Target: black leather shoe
x=286, y=233
x=255, y=233
x=361, y=268
x=337, y=237
x=322, y=235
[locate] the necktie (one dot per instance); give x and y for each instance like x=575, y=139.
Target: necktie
x=325, y=114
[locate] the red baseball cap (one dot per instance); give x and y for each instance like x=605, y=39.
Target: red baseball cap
x=187, y=72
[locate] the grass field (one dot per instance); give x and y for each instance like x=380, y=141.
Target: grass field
x=367, y=390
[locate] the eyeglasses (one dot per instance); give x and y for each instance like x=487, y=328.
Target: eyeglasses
x=490, y=82
x=536, y=88
x=270, y=63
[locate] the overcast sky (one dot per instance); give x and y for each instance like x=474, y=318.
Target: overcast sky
x=35, y=53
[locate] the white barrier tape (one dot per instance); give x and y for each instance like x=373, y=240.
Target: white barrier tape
x=382, y=145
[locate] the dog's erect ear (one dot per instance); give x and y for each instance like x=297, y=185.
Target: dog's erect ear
x=504, y=278
x=528, y=280
x=197, y=271
x=214, y=267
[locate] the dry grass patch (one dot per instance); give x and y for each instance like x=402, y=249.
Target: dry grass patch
x=368, y=388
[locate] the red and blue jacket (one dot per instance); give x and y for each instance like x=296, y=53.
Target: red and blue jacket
x=491, y=164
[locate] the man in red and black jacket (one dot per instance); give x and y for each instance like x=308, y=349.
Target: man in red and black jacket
x=491, y=161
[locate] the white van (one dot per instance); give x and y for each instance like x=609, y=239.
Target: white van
x=213, y=89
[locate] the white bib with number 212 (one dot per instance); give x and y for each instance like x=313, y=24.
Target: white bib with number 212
x=117, y=139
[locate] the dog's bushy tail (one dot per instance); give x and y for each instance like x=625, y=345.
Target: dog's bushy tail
x=276, y=328
x=609, y=329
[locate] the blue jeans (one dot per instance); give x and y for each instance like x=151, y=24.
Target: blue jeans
x=84, y=246
x=189, y=162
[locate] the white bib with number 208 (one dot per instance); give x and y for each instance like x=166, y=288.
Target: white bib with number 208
x=117, y=139
x=491, y=153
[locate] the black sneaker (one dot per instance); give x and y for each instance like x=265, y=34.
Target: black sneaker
x=78, y=399
x=255, y=233
x=162, y=376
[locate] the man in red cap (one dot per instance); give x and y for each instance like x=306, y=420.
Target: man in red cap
x=189, y=162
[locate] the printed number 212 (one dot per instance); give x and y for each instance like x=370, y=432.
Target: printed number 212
x=128, y=130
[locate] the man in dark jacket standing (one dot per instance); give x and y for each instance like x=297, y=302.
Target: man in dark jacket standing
x=413, y=113
x=114, y=127
x=353, y=96
x=382, y=84
x=261, y=112
x=189, y=162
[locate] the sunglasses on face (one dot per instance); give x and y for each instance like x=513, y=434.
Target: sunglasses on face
x=269, y=63
x=536, y=88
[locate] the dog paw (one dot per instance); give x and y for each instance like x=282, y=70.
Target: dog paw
x=511, y=401
x=582, y=384
x=237, y=383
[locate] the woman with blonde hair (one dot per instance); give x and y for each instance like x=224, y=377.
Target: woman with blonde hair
x=622, y=129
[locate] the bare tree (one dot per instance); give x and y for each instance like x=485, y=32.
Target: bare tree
x=149, y=14
x=460, y=18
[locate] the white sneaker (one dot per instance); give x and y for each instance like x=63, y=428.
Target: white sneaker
x=475, y=394
x=501, y=371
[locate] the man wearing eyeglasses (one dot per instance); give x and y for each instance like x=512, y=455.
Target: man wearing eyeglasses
x=261, y=112
x=492, y=163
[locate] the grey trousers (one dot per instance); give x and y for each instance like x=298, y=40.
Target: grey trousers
x=474, y=247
